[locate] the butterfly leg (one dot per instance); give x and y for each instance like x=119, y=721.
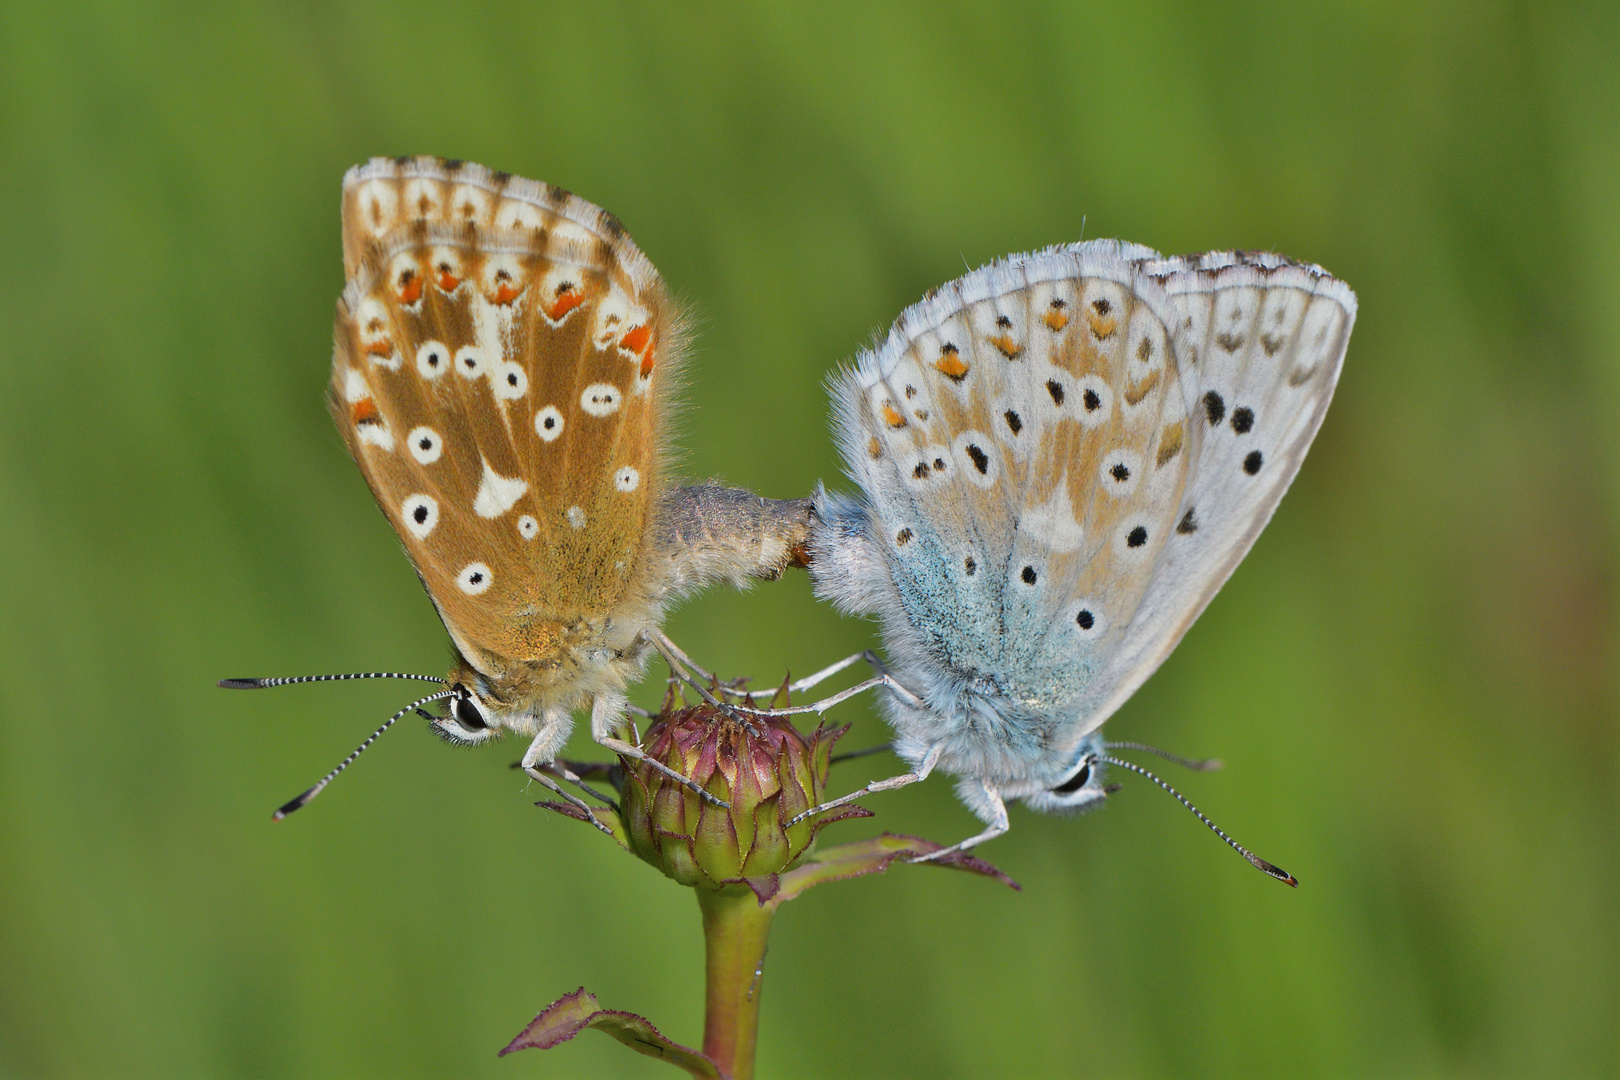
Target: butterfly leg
x=607, y=716
x=904, y=779
x=993, y=808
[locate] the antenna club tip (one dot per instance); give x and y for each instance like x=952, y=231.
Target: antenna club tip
x=1275, y=871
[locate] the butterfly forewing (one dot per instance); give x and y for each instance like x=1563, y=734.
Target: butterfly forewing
x=1263, y=340
x=501, y=350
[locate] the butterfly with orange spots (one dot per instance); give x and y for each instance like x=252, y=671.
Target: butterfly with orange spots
x=502, y=374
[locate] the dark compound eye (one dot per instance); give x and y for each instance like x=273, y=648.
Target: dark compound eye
x=467, y=714
x=1075, y=782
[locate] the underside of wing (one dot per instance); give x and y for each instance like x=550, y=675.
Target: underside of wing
x=501, y=351
x=1263, y=340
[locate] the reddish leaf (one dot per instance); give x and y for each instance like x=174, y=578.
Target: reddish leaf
x=573, y=1013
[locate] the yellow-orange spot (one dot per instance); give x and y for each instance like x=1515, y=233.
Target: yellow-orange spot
x=1007, y=346
x=1170, y=444
x=874, y=449
x=410, y=287
x=1055, y=320
x=448, y=281
x=379, y=347
x=1134, y=394
x=647, y=364
x=891, y=417
x=505, y=293
x=365, y=411
x=951, y=365
x=1102, y=326
x=565, y=302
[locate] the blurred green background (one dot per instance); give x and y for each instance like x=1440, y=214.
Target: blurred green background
x=1412, y=677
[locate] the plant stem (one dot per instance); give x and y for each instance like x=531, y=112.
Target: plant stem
x=735, y=929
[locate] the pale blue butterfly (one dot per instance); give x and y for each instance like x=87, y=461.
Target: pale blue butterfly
x=1061, y=458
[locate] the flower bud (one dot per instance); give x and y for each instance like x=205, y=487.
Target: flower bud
x=769, y=774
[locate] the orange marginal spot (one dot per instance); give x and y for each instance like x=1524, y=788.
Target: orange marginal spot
x=951, y=365
x=448, y=281
x=647, y=364
x=892, y=418
x=410, y=287
x=505, y=294
x=365, y=411
x=1007, y=346
x=874, y=449
x=1170, y=444
x=1102, y=326
x=565, y=302
x=1055, y=320
x=1134, y=394
x=636, y=339
x=379, y=347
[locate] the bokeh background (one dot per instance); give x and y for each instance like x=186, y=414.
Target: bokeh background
x=1411, y=678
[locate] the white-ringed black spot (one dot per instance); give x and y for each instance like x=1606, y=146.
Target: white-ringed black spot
x=474, y=578
x=939, y=464
x=528, y=527
x=432, y=359
x=1242, y=420
x=1214, y=408
x=1055, y=388
x=921, y=471
x=420, y=514
x=981, y=461
x=1121, y=472
x=1137, y=537
x=1252, y=463
x=1027, y=575
x=903, y=537
x=1091, y=401
x=425, y=444
x=548, y=423
x=1085, y=619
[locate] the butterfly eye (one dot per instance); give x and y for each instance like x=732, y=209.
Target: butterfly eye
x=1075, y=782
x=467, y=714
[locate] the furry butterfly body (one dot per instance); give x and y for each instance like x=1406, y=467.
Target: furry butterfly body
x=502, y=371
x=1061, y=457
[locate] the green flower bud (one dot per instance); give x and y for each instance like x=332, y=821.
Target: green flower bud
x=769, y=774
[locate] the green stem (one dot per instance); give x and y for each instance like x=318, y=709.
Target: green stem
x=735, y=929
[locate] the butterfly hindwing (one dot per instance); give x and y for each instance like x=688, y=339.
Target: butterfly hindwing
x=501, y=351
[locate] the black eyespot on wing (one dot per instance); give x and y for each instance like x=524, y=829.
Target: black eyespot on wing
x=1091, y=401
x=1055, y=388
x=903, y=537
x=1189, y=523
x=921, y=471
x=1101, y=307
x=1137, y=537
x=1252, y=463
x=1085, y=620
x=1214, y=408
x=420, y=514
x=981, y=460
x=1003, y=322
x=1075, y=782
x=1121, y=472
x=1014, y=421
x=1242, y=420
x=1028, y=575
x=939, y=464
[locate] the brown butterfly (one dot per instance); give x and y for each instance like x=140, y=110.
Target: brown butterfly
x=503, y=366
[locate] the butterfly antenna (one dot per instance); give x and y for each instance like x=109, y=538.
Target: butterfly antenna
x=260, y=684
x=1254, y=860
x=1196, y=765
x=303, y=800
